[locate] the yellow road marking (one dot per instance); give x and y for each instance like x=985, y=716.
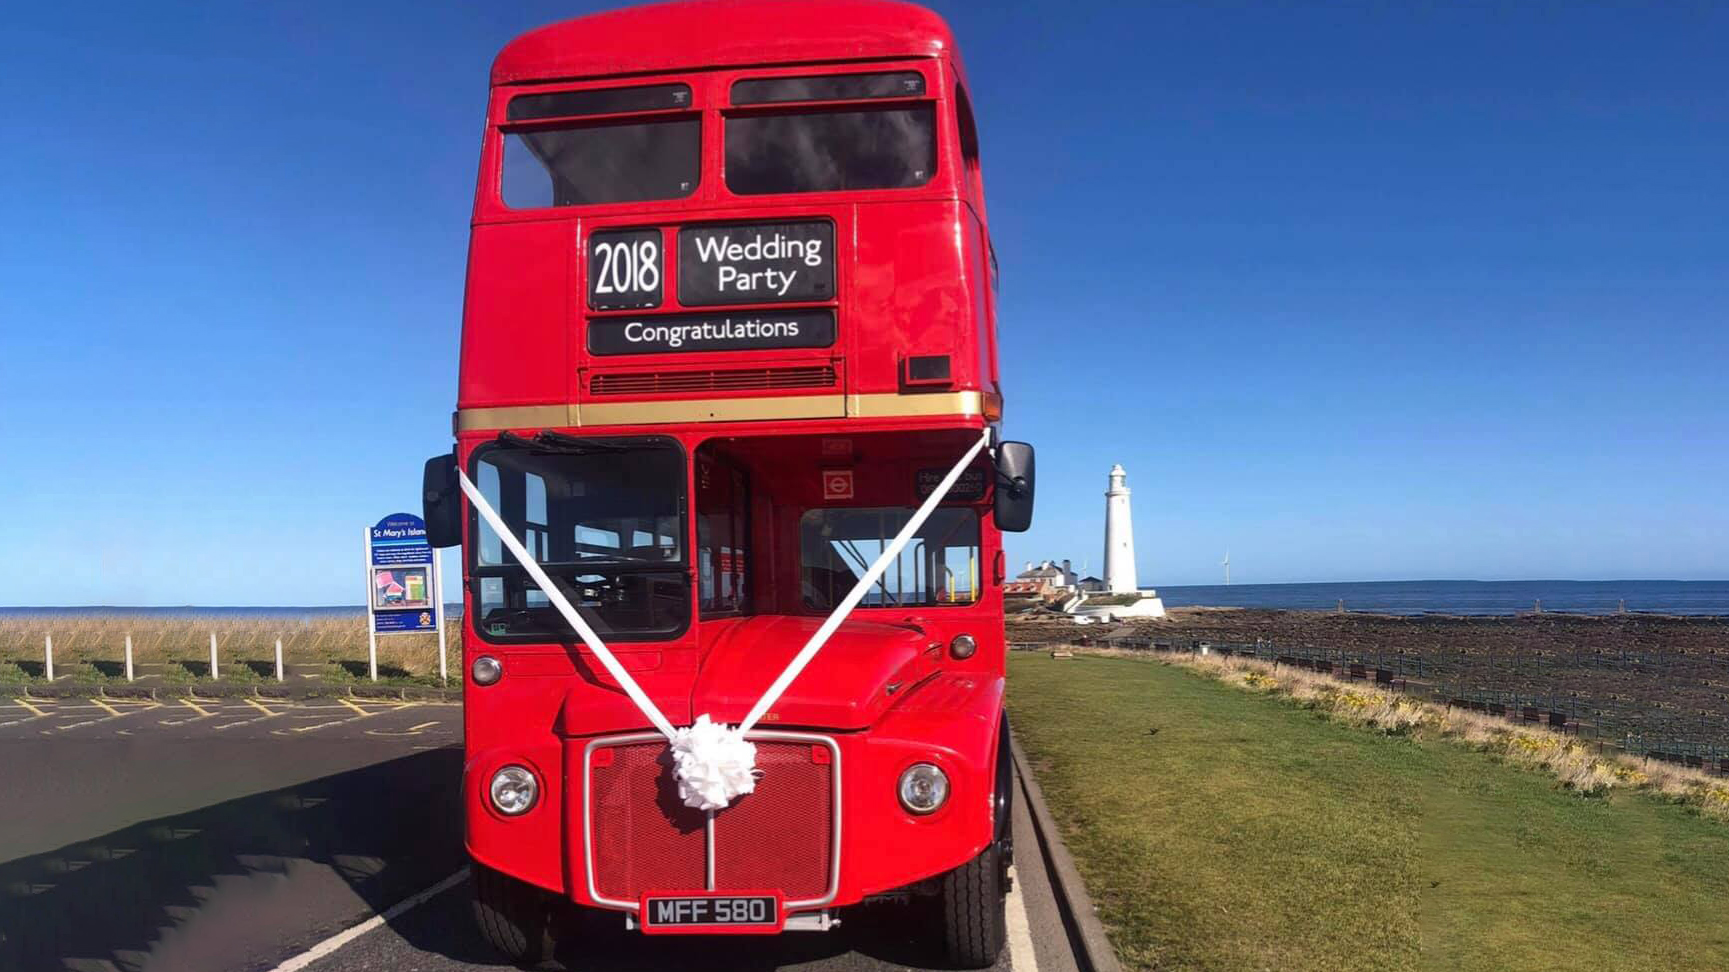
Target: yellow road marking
x=202, y=712
x=260, y=707
x=39, y=712
x=356, y=708
x=105, y=707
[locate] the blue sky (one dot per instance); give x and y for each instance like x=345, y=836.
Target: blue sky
x=1357, y=291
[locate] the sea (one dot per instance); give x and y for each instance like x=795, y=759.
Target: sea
x=1458, y=597
x=1376, y=597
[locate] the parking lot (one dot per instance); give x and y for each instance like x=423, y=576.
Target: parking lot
x=428, y=723
x=236, y=833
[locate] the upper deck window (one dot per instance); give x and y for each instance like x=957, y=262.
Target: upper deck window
x=581, y=165
x=820, y=151
x=831, y=87
x=599, y=101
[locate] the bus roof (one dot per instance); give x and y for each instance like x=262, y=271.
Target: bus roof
x=667, y=37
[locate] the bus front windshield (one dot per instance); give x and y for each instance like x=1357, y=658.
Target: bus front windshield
x=604, y=517
x=939, y=566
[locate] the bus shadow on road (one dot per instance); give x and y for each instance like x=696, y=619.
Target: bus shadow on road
x=235, y=882
x=886, y=936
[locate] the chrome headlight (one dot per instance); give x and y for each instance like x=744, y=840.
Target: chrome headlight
x=963, y=646
x=514, y=790
x=923, y=788
x=486, y=670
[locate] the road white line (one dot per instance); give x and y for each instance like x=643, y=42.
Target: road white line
x=321, y=725
x=340, y=939
x=1021, y=955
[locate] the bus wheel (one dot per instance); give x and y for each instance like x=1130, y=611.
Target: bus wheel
x=516, y=918
x=973, y=911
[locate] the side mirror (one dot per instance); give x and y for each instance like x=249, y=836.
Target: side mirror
x=1014, y=494
x=441, y=499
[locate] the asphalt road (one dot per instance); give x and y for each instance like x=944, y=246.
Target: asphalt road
x=235, y=835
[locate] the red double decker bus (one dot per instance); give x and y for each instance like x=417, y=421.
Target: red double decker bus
x=726, y=451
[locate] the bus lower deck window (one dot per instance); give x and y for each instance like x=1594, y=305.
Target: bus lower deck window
x=939, y=567
x=587, y=164
x=818, y=151
x=604, y=519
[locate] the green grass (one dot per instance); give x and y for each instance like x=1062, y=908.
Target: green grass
x=1247, y=833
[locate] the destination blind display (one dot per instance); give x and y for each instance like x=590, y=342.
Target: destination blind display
x=756, y=264
x=731, y=331
x=968, y=488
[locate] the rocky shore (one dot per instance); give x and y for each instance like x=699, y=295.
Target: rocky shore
x=1625, y=673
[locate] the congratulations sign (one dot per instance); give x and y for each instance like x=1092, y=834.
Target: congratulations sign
x=746, y=331
x=756, y=263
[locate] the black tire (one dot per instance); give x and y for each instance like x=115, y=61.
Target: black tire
x=517, y=919
x=974, y=917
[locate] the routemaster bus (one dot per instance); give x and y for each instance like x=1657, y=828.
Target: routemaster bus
x=727, y=462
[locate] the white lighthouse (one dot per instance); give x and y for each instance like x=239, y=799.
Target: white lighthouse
x=1122, y=599
x=1119, y=536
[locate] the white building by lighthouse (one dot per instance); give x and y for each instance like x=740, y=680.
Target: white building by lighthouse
x=1119, y=536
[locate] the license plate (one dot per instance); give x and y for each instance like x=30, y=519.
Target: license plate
x=710, y=913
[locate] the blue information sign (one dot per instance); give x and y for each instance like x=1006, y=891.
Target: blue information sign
x=403, y=592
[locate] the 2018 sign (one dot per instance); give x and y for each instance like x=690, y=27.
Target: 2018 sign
x=624, y=269
x=756, y=263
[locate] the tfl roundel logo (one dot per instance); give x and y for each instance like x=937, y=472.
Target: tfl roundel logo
x=836, y=484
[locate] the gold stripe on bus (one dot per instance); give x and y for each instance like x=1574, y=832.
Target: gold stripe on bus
x=513, y=417
x=888, y=405
x=909, y=406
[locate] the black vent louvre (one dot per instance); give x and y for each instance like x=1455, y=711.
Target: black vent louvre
x=739, y=379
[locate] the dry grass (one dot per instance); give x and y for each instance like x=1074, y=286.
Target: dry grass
x=81, y=644
x=1576, y=766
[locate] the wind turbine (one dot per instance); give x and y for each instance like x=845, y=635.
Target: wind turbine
x=1227, y=565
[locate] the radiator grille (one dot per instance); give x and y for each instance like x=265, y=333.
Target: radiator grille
x=644, y=838
x=732, y=379
x=779, y=837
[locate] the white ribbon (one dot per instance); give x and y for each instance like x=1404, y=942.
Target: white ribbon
x=715, y=764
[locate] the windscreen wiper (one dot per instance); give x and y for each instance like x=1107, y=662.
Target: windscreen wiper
x=559, y=442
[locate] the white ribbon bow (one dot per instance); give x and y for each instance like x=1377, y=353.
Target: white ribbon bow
x=715, y=764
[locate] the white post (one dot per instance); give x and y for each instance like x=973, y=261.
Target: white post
x=48, y=656
x=213, y=673
x=279, y=659
x=371, y=622
x=438, y=614
x=129, y=658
